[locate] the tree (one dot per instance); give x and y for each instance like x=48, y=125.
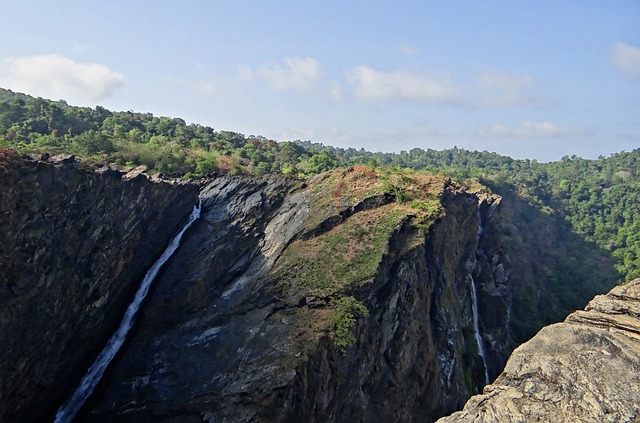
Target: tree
x=92, y=142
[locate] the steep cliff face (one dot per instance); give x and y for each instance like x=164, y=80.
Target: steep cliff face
x=74, y=247
x=586, y=369
x=238, y=327
x=416, y=356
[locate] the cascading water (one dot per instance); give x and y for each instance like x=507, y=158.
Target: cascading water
x=476, y=326
x=70, y=408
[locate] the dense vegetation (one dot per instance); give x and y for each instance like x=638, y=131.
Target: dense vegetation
x=600, y=199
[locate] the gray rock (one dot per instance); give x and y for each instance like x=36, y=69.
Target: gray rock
x=586, y=369
x=219, y=341
x=74, y=247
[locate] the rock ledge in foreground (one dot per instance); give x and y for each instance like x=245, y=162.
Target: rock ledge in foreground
x=586, y=369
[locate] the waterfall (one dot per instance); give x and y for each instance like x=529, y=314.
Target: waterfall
x=476, y=326
x=70, y=408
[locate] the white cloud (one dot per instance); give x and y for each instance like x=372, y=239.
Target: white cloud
x=55, y=76
x=373, y=85
x=408, y=50
x=340, y=136
x=335, y=90
x=297, y=74
x=626, y=59
x=206, y=87
x=529, y=130
x=203, y=86
x=424, y=127
x=499, y=89
x=293, y=133
x=495, y=130
x=80, y=47
x=244, y=73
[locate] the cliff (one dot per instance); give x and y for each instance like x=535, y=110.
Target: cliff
x=353, y=296
x=586, y=369
x=75, y=245
x=243, y=323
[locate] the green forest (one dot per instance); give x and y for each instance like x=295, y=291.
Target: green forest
x=599, y=199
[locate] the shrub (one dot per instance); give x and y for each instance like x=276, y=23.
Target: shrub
x=344, y=317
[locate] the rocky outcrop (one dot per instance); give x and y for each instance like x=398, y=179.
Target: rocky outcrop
x=586, y=369
x=75, y=245
x=416, y=357
x=223, y=339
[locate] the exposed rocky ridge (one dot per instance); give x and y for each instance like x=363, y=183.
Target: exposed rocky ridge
x=75, y=245
x=586, y=369
x=218, y=341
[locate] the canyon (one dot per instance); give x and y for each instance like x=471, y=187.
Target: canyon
x=225, y=340
x=241, y=324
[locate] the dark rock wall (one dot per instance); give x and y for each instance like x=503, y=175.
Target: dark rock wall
x=218, y=339
x=74, y=246
x=416, y=356
x=209, y=340
x=218, y=342
x=492, y=273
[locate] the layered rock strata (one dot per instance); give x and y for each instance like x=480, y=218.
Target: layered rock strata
x=74, y=246
x=586, y=369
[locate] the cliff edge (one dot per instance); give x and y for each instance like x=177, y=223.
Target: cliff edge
x=586, y=369
x=74, y=246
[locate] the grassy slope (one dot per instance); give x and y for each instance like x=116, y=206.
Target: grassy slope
x=347, y=255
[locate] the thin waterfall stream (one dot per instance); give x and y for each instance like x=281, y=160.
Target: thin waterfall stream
x=67, y=412
x=476, y=326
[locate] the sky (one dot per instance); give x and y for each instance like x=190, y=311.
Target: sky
x=528, y=79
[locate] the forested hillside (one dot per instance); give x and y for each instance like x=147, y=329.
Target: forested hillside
x=600, y=198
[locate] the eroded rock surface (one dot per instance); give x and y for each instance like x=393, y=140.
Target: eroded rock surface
x=74, y=245
x=222, y=340
x=586, y=369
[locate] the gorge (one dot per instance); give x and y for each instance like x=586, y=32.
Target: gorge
x=242, y=323
x=244, y=341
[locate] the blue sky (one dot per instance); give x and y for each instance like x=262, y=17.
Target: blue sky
x=529, y=79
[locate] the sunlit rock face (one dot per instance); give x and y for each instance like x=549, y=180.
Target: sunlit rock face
x=224, y=338
x=74, y=245
x=585, y=369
